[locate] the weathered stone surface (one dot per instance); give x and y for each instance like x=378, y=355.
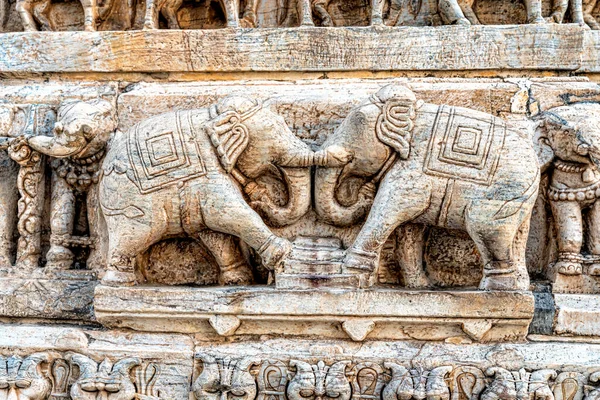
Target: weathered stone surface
x=526, y=47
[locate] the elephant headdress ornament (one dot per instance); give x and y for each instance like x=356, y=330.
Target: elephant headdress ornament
x=227, y=132
x=395, y=123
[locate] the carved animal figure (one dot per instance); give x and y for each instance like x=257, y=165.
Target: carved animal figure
x=319, y=382
x=449, y=11
x=80, y=136
x=33, y=12
x=22, y=378
x=435, y=165
x=533, y=7
x=521, y=385
x=170, y=8
x=417, y=384
x=181, y=173
x=570, y=141
x=225, y=378
x=103, y=380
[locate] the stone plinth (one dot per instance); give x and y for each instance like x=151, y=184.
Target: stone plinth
x=374, y=313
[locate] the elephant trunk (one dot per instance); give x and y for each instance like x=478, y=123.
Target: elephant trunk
x=328, y=207
x=297, y=181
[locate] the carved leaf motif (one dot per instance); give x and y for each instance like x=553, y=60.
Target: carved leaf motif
x=272, y=380
x=368, y=382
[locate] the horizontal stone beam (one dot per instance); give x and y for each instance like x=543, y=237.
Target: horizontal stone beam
x=450, y=48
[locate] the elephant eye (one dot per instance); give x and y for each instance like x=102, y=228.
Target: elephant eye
x=307, y=392
x=238, y=392
x=23, y=383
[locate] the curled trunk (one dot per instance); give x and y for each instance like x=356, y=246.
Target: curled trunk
x=298, y=186
x=328, y=208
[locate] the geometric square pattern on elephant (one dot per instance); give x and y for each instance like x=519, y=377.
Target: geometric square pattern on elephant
x=465, y=145
x=162, y=157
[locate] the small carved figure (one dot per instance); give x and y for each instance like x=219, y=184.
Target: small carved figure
x=569, y=138
x=435, y=165
x=225, y=378
x=104, y=380
x=191, y=166
x=80, y=136
x=170, y=8
x=534, y=11
x=23, y=379
x=33, y=12
x=319, y=382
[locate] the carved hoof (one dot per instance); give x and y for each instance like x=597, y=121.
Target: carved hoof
x=247, y=22
x=569, y=268
x=239, y=274
x=327, y=22
x=377, y=21
x=118, y=278
x=502, y=276
x=274, y=252
x=89, y=28
x=360, y=261
x=149, y=25
x=537, y=20
x=308, y=23
x=463, y=21
x=594, y=269
x=59, y=258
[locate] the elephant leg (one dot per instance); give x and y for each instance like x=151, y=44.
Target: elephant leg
x=451, y=13
x=305, y=13
x=320, y=8
x=467, y=9
x=588, y=9
x=231, y=9
x=234, y=269
x=25, y=10
x=62, y=215
x=494, y=240
x=402, y=196
x=577, y=12
x=593, y=238
x=377, y=12
x=128, y=238
x=410, y=241
x=534, y=11
x=225, y=210
x=249, y=19
x=569, y=225
x=170, y=11
x=90, y=11
x=151, y=17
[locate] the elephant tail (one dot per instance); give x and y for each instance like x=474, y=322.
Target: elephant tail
x=513, y=206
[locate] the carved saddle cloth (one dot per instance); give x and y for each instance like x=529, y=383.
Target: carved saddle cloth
x=163, y=151
x=465, y=145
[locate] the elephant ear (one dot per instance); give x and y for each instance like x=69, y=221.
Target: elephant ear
x=395, y=123
x=229, y=136
x=542, y=141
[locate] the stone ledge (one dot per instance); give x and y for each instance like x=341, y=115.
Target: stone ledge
x=375, y=313
x=450, y=48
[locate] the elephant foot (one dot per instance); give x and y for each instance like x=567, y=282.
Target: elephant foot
x=502, y=276
x=118, y=278
x=569, y=264
x=360, y=261
x=237, y=274
x=274, y=252
x=59, y=258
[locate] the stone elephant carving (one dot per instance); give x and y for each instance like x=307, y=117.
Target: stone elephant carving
x=181, y=173
x=225, y=378
x=569, y=139
x=170, y=8
x=103, y=380
x=33, y=12
x=23, y=379
x=435, y=165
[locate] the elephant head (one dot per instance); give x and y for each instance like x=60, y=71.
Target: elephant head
x=570, y=133
x=376, y=133
x=103, y=381
x=225, y=378
x=23, y=378
x=251, y=140
x=319, y=382
x=82, y=126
